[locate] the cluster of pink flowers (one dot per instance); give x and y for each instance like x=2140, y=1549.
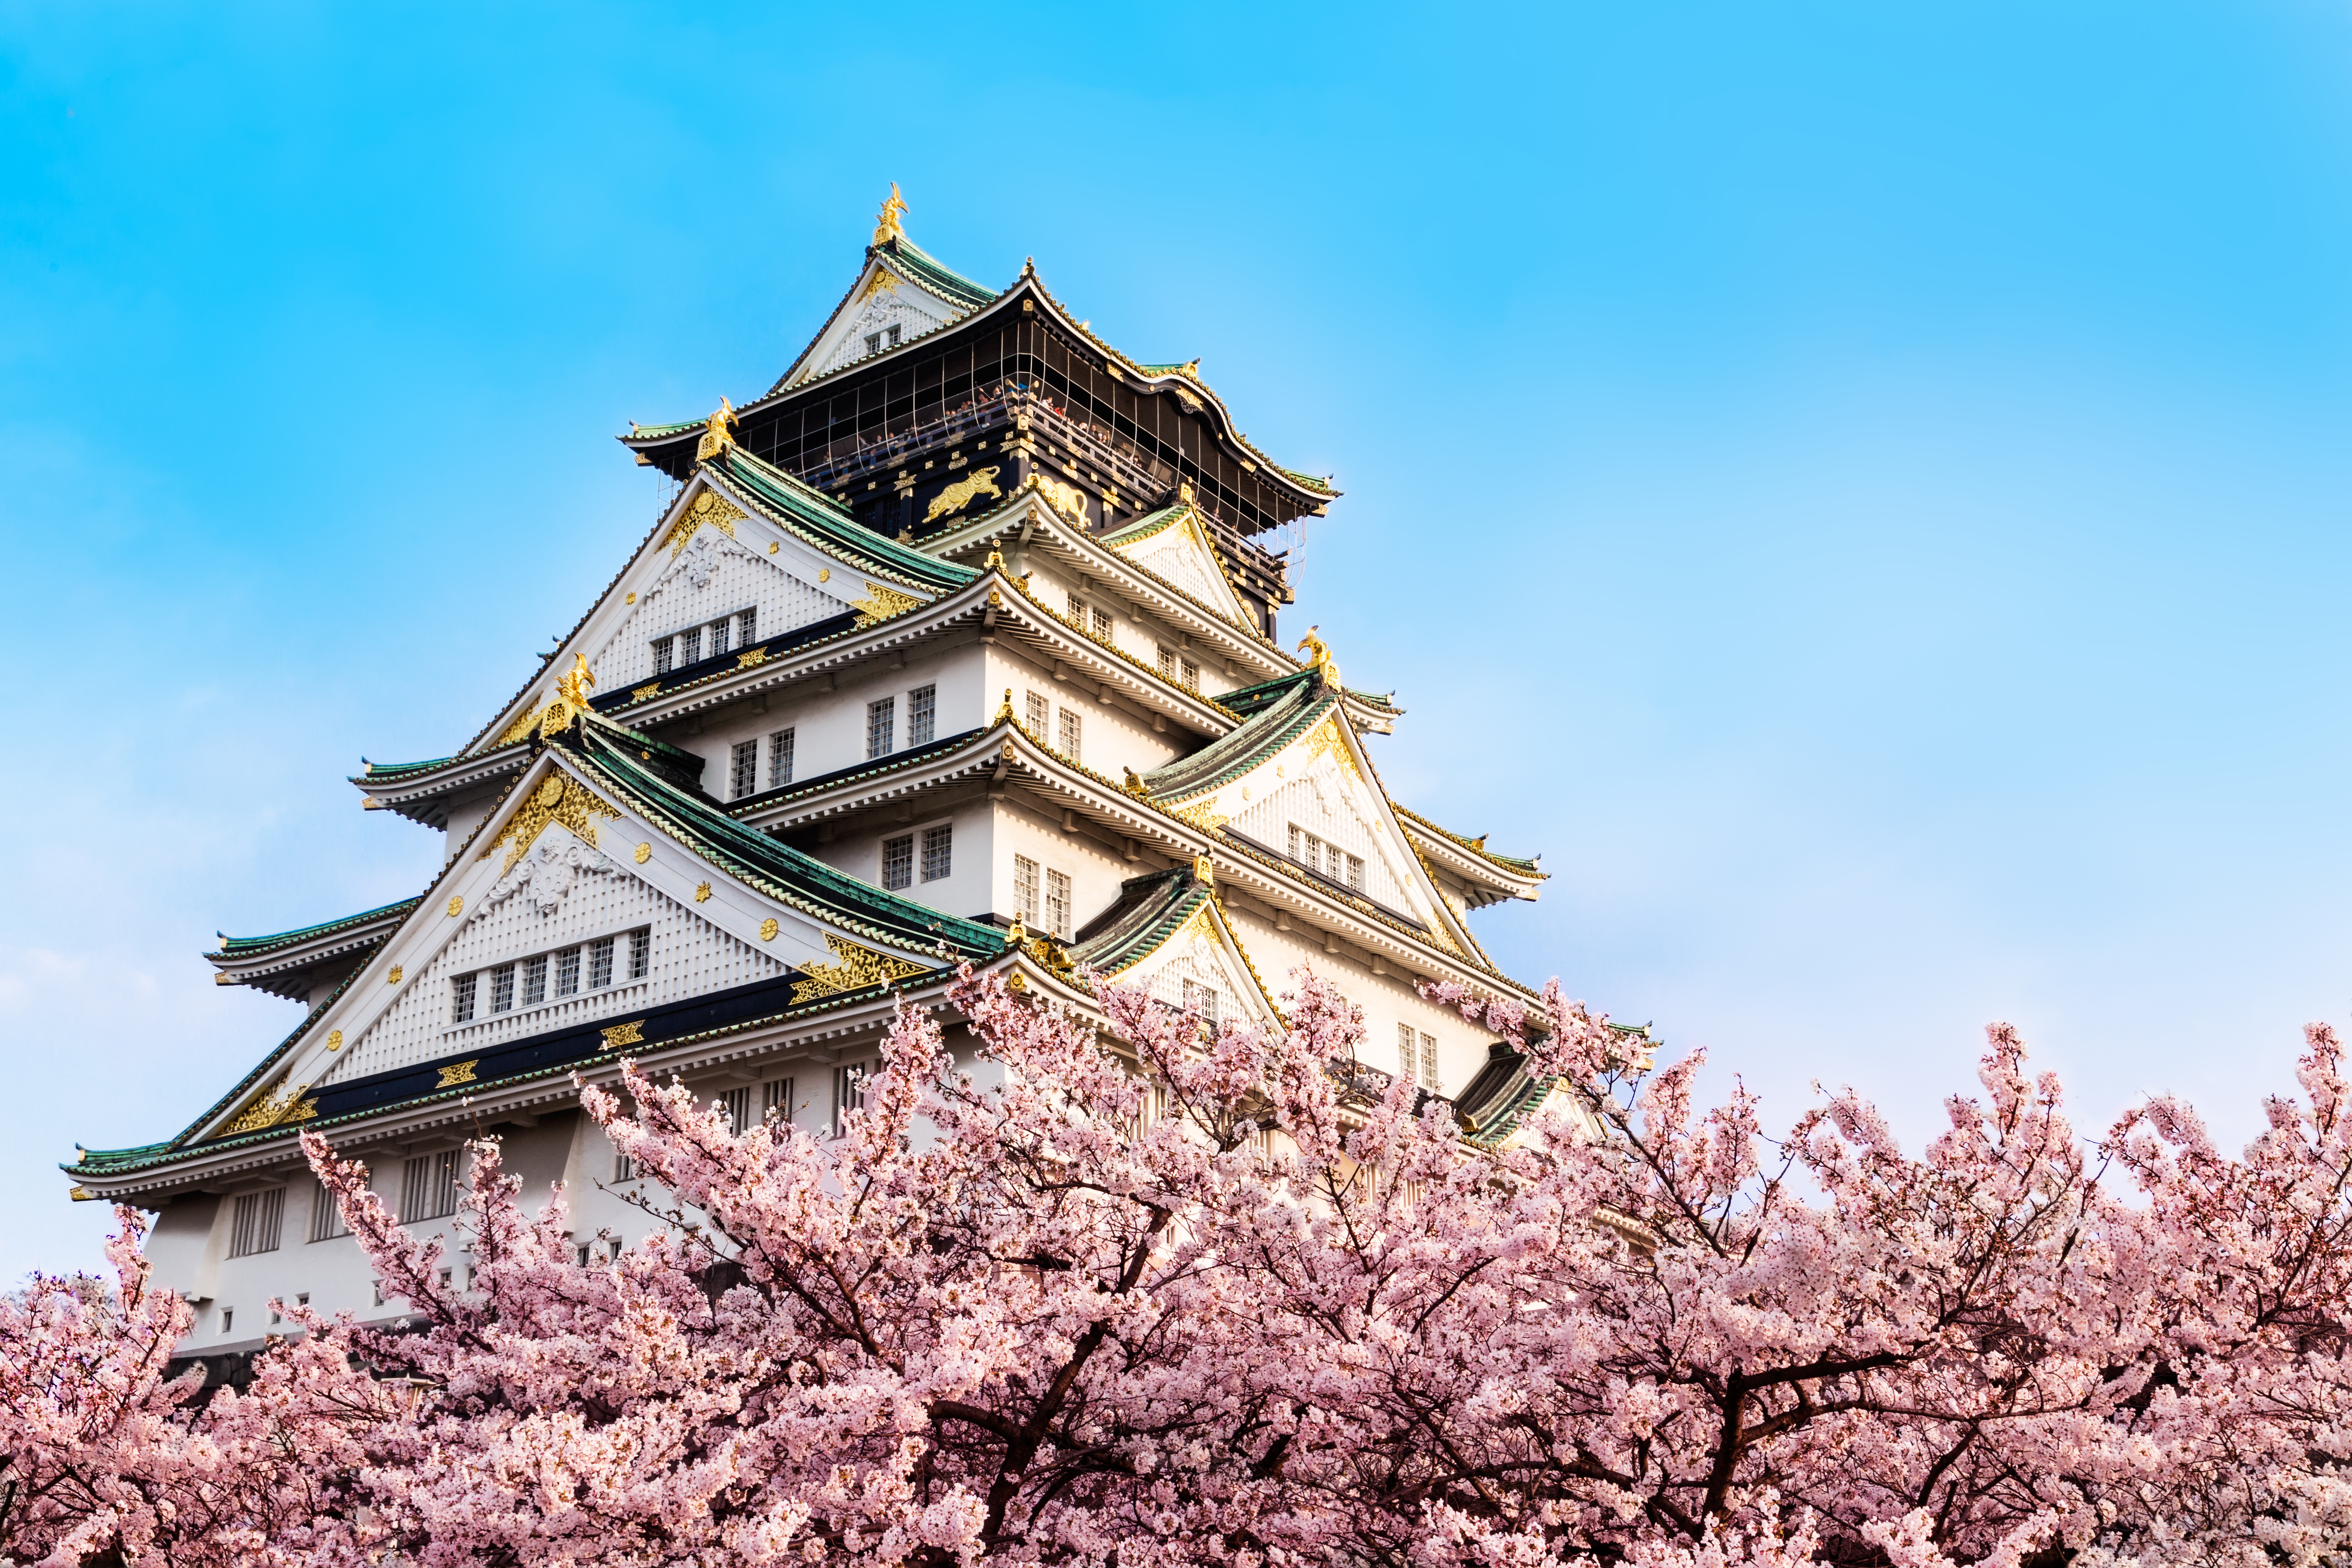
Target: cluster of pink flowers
x=1158, y=1297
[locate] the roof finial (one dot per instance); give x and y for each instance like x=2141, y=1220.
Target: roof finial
x=1205, y=870
x=717, y=436
x=576, y=682
x=1004, y=714
x=1318, y=654
x=995, y=562
x=887, y=226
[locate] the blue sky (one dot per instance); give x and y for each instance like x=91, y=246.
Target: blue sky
x=1862, y=489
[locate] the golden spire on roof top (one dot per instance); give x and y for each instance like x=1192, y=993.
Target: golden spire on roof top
x=886, y=226
x=717, y=435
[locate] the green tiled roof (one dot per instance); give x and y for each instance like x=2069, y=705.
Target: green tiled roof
x=368, y=770
x=1312, y=481
x=817, y=516
x=638, y=432
x=1144, y=527
x=1150, y=909
x=934, y=275
x=1273, y=724
x=251, y=946
x=1476, y=846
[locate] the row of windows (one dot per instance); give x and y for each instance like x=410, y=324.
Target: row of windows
x=1330, y=859
x=899, y=857
x=428, y=1189
x=743, y=766
x=1184, y=671
x=882, y=722
x=777, y=1097
x=1069, y=735
x=1419, y=1064
x=1052, y=913
x=875, y=341
x=465, y=990
x=698, y=643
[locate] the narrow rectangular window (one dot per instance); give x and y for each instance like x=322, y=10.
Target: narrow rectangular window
x=502, y=988
x=567, y=971
x=1079, y=611
x=1191, y=675
x=881, y=726
x=254, y=1222
x=747, y=626
x=874, y=343
x=689, y=645
x=663, y=648
x=743, y=777
x=1408, y=1052
x=719, y=630
x=1036, y=705
x=780, y=759
x=428, y=1187
x=737, y=1105
x=534, y=980
x=1429, y=1063
x=893, y=330
x=922, y=714
x=599, y=963
x=849, y=1088
x=1297, y=840
x=624, y=1169
x=1057, y=904
x=1073, y=734
x=1201, y=1001
x=641, y=942
x=1355, y=872
x=1167, y=660
x=1102, y=622
x=228, y=1317
x=898, y=862
x=1025, y=888
x=939, y=845
x=326, y=1215
x=776, y=1099
x=461, y=997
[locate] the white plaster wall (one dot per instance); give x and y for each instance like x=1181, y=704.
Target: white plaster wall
x=1094, y=869
x=965, y=891
x=830, y=727
x=1112, y=738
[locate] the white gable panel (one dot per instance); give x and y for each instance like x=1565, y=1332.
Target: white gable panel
x=713, y=576
x=887, y=302
x=1174, y=553
x=1324, y=801
x=1198, y=953
x=563, y=893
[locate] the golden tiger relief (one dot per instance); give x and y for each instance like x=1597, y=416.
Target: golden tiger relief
x=959, y=495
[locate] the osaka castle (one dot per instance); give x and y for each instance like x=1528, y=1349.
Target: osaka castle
x=960, y=644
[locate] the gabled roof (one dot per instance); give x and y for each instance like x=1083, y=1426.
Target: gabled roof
x=1280, y=710
x=290, y=962
x=1152, y=911
x=812, y=515
x=256, y=946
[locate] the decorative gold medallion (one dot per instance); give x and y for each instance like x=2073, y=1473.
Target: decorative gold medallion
x=393, y=978
x=458, y=1073
x=270, y=1109
x=702, y=893
x=456, y=908
x=334, y=1039
x=755, y=656
x=772, y=547
x=625, y=1035
x=639, y=693
x=824, y=573
x=710, y=507
x=767, y=929
x=645, y=853
x=629, y=598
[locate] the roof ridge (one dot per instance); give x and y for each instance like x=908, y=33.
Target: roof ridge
x=249, y=944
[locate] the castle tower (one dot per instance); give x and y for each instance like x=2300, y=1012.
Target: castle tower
x=956, y=646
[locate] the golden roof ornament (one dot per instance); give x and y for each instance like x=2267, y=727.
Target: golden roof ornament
x=1205, y=870
x=576, y=682
x=1318, y=654
x=718, y=434
x=887, y=226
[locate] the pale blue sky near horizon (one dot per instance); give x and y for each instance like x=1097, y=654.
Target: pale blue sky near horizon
x=1861, y=489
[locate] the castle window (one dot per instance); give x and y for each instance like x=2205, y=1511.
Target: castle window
x=874, y=343
x=664, y=650
x=1355, y=872
x=1201, y=1001
x=624, y=1169
x=1429, y=1063
x=502, y=988
x=922, y=714
x=776, y=1099
x=534, y=980
x=881, y=722
x=747, y=626
x=1037, y=714
x=939, y=845
x=780, y=759
x=228, y=1318
x=737, y=1103
x=428, y=1187
x=1057, y=904
x=894, y=336
x=849, y=1088
x=326, y=1215
x=599, y=963
x=744, y=776
x=689, y=645
x=567, y=971
x=641, y=942
x=719, y=630
x=253, y=1221
x=461, y=997
x=898, y=862
x=1408, y=1052
x=1191, y=674
x=1073, y=732
x=1102, y=622
x=1025, y=888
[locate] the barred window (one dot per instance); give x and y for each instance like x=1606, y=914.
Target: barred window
x=253, y=1221
x=428, y=1187
x=1036, y=705
x=1191, y=674
x=1025, y=888
x=1355, y=872
x=567, y=971
x=1429, y=1063
x=641, y=942
x=893, y=331
x=1167, y=661
x=1102, y=622
x=461, y=997
x=776, y=1099
x=1057, y=904
x=849, y=1088
x=599, y=963
x=624, y=1169
x=502, y=988
x=1079, y=611
x=939, y=844
x=922, y=712
x=881, y=722
x=534, y=980
x=737, y=1105
x=780, y=759
x=326, y=1215
x=689, y=645
x=1073, y=732
x=719, y=630
x=663, y=648
x=874, y=343
x=899, y=862
x=1408, y=1052
x=747, y=626
x=744, y=777
x=1201, y=1001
